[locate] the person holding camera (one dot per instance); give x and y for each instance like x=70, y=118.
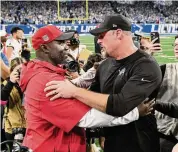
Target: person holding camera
x=77, y=50
x=14, y=114
x=74, y=47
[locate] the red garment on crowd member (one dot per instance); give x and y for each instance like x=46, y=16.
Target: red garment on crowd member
x=50, y=124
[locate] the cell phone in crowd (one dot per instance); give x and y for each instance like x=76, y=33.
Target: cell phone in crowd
x=155, y=39
x=155, y=35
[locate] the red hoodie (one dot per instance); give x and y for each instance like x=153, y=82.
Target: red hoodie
x=50, y=124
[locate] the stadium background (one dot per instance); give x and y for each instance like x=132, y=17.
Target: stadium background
x=166, y=56
x=146, y=16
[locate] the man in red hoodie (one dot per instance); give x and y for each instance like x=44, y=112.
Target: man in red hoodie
x=57, y=126
x=49, y=125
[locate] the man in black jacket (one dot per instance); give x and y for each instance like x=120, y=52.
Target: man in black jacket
x=122, y=82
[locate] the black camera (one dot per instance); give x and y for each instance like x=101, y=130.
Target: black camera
x=74, y=41
x=72, y=66
x=18, y=130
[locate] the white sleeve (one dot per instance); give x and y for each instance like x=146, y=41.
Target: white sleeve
x=95, y=118
x=85, y=80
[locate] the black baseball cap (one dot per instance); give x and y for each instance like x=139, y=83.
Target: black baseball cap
x=112, y=22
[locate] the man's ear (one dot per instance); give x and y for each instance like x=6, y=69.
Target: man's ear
x=119, y=34
x=45, y=49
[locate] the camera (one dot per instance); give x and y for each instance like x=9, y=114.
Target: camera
x=72, y=66
x=18, y=130
x=74, y=42
x=19, y=134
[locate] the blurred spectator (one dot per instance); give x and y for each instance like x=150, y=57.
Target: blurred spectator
x=167, y=106
x=14, y=44
x=28, y=12
x=4, y=74
x=77, y=50
x=14, y=112
x=176, y=47
x=3, y=60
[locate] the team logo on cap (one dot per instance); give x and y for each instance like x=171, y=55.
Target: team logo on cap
x=114, y=25
x=45, y=38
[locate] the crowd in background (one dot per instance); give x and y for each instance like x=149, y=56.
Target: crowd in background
x=46, y=12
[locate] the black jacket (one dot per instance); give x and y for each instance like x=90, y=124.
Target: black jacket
x=129, y=81
x=6, y=90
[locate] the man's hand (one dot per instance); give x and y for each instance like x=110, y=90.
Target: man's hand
x=60, y=89
x=146, y=108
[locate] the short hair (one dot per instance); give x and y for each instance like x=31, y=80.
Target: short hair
x=176, y=36
x=15, y=29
